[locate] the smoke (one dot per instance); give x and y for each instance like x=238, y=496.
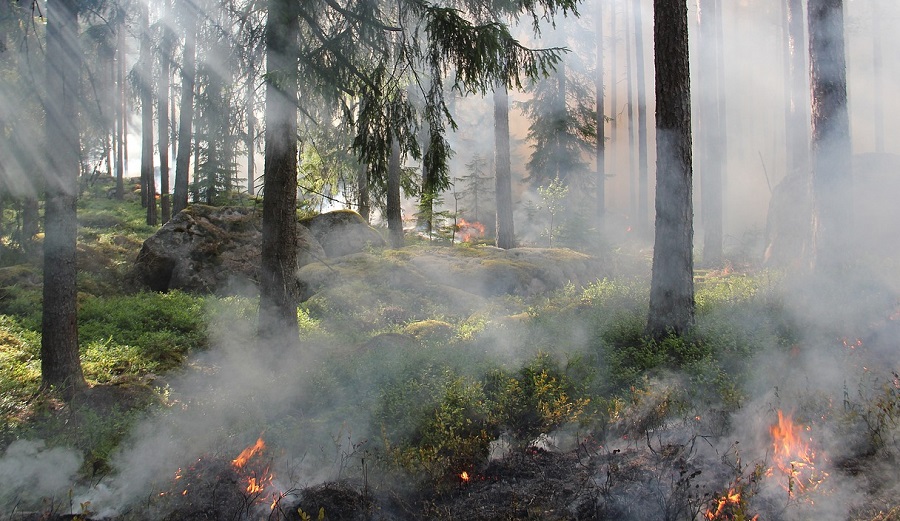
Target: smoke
x=31, y=471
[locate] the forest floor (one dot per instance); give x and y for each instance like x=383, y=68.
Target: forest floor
x=783, y=403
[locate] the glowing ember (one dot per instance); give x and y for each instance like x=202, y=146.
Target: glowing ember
x=793, y=456
x=464, y=476
x=248, y=453
x=467, y=230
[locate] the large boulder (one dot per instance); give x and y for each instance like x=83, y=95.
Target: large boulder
x=211, y=250
x=343, y=232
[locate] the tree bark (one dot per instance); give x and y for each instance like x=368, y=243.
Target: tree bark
x=394, y=212
x=643, y=181
x=279, y=288
x=186, y=119
x=148, y=178
x=60, y=362
x=832, y=197
x=506, y=237
x=672, y=283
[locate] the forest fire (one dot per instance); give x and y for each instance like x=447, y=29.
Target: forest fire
x=468, y=230
x=257, y=479
x=248, y=453
x=728, y=506
x=793, y=456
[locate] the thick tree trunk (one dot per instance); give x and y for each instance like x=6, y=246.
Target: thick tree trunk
x=186, y=120
x=643, y=181
x=506, y=236
x=600, y=155
x=165, y=57
x=672, y=283
x=279, y=288
x=832, y=184
x=148, y=178
x=60, y=362
x=394, y=212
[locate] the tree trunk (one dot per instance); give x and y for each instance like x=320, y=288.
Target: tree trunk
x=186, y=120
x=148, y=178
x=362, y=184
x=643, y=182
x=394, y=212
x=832, y=185
x=165, y=57
x=600, y=158
x=60, y=362
x=506, y=236
x=672, y=283
x=279, y=289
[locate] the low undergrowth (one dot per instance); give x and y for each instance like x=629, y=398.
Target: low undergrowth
x=427, y=390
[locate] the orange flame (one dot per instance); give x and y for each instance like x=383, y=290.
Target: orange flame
x=464, y=476
x=255, y=486
x=467, y=230
x=248, y=453
x=732, y=497
x=793, y=456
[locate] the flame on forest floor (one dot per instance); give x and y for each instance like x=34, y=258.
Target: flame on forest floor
x=468, y=230
x=248, y=453
x=259, y=478
x=728, y=506
x=793, y=456
x=464, y=476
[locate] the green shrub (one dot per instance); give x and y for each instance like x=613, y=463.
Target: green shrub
x=161, y=327
x=535, y=400
x=435, y=426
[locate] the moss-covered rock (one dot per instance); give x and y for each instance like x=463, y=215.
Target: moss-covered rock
x=343, y=232
x=210, y=249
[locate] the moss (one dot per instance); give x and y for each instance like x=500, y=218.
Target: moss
x=430, y=330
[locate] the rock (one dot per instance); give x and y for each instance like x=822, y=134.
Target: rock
x=343, y=232
x=211, y=250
